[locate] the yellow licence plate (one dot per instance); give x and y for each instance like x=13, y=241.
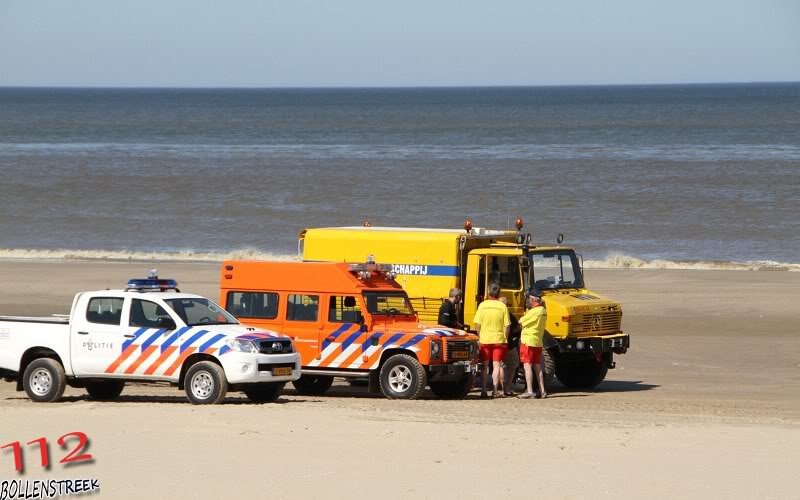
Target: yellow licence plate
x=460, y=355
x=282, y=370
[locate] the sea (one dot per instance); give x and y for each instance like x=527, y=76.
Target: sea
x=682, y=176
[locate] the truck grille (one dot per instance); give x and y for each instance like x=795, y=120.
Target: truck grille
x=602, y=323
x=274, y=346
x=457, y=350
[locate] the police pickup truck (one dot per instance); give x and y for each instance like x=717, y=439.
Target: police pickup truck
x=116, y=336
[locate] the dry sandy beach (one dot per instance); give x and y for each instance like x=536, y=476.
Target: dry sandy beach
x=705, y=405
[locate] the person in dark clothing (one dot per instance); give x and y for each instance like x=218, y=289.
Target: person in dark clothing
x=448, y=313
x=511, y=359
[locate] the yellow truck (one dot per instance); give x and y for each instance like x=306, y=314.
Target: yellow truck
x=583, y=328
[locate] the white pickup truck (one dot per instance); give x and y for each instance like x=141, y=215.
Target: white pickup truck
x=116, y=336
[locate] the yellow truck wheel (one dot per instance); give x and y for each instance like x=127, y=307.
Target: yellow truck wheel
x=583, y=374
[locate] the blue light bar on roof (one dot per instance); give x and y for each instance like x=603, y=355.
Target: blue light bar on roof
x=152, y=284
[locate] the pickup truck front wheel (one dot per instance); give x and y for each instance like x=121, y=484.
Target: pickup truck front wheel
x=105, y=390
x=205, y=383
x=44, y=380
x=263, y=393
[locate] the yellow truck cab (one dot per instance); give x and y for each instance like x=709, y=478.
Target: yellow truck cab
x=583, y=328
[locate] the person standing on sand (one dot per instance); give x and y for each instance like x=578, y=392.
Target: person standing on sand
x=530, y=349
x=448, y=313
x=511, y=359
x=492, y=324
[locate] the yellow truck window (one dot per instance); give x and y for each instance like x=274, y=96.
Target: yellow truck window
x=504, y=270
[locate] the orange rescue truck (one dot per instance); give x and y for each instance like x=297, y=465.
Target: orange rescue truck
x=353, y=321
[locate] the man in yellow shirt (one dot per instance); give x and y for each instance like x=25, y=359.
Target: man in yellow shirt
x=492, y=323
x=530, y=347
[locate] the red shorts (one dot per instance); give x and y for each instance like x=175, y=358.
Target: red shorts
x=528, y=354
x=493, y=352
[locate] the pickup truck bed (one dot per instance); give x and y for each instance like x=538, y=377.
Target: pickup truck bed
x=55, y=319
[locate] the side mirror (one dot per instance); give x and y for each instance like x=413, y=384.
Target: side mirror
x=167, y=323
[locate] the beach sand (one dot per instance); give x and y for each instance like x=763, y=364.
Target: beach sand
x=705, y=404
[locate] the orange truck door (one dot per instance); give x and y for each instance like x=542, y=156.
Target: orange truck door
x=342, y=338
x=302, y=322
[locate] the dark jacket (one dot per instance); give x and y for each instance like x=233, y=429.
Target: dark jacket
x=514, y=332
x=448, y=315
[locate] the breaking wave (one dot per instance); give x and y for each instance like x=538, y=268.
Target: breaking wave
x=612, y=261
x=620, y=261
x=139, y=256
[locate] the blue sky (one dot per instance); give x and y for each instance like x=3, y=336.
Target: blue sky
x=266, y=43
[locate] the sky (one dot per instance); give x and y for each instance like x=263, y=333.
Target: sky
x=355, y=43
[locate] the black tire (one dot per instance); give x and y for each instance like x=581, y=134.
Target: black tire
x=402, y=377
x=585, y=374
x=104, y=390
x=314, y=385
x=549, y=366
x=264, y=393
x=205, y=383
x=453, y=390
x=44, y=380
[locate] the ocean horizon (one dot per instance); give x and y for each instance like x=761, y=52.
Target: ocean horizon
x=694, y=175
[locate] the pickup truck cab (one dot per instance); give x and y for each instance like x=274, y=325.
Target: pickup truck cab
x=148, y=332
x=352, y=321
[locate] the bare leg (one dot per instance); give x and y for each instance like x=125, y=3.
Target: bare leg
x=540, y=377
x=528, y=377
x=497, y=375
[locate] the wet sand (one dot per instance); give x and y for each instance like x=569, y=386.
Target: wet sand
x=705, y=404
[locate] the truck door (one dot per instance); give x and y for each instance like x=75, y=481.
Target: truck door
x=303, y=323
x=505, y=271
x=342, y=339
x=474, y=287
x=97, y=335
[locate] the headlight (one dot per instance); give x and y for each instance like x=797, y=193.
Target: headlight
x=436, y=349
x=242, y=345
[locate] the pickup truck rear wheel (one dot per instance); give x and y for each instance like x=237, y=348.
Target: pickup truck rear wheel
x=44, y=380
x=205, y=383
x=105, y=390
x=263, y=393
x=402, y=377
x=453, y=390
x=314, y=385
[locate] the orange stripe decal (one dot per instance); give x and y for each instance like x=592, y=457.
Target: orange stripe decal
x=354, y=356
x=141, y=359
x=178, y=362
x=122, y=357
x=160, y=360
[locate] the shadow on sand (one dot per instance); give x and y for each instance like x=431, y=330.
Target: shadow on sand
x=142, y=398
x=623, y=386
